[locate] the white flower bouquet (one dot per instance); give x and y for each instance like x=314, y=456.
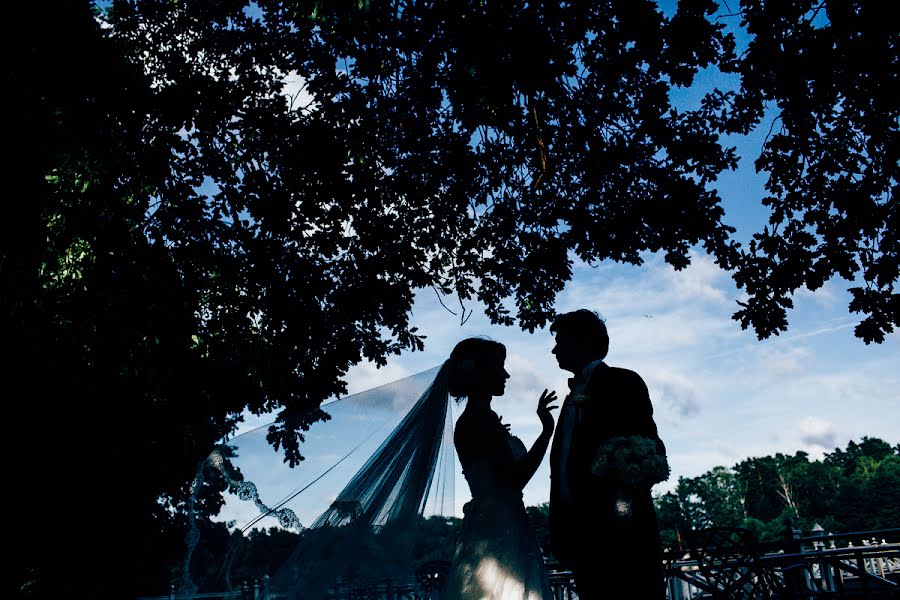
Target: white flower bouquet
x=631, y=460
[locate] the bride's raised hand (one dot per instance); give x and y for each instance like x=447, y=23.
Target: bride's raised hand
x=544, y=408
x=505, y=425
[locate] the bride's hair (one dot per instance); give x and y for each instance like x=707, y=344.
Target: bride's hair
x=468, y=359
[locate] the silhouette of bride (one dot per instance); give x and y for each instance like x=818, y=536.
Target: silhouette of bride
x=497, y=555
x=379, y=463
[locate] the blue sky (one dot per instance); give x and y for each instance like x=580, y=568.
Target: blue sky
x=719, y=394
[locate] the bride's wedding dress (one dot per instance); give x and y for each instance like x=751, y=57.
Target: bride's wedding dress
x=497, y=556
x=356, y=500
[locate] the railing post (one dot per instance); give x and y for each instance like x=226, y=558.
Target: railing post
x=820, y=570
x=829, y=571
x=172, y=592
x=792, y=546
x=870, y=562
x=863, y=572
x=881, y=561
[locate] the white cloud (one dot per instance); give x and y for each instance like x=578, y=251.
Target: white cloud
x=675, y=393
x=702, y=281
x=366, y=376
x=816, y=431
x=826, y=296
x=781, y=363
x=655, y=310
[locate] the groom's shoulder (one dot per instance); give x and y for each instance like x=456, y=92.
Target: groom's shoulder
x=622, y=373
x=624, y=377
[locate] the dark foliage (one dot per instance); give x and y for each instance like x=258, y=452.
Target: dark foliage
x=435, y=540
x=825, y=76
x=181, y=243
x=539, y=520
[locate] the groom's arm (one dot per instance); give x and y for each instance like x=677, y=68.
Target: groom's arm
x=637, y=410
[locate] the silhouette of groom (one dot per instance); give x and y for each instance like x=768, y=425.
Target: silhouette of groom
x=605, y=532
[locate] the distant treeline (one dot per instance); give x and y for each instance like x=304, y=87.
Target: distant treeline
x=854, y=489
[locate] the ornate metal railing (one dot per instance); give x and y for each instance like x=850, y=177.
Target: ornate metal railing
x=816, y=566
x=857, y=565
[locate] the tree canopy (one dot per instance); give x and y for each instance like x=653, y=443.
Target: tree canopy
x=188, y=237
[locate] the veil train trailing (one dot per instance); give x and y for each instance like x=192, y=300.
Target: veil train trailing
x=382, y=462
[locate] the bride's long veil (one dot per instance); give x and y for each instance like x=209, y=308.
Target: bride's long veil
x=382, y=462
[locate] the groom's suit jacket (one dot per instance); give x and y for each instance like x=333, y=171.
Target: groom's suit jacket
x=584, y=525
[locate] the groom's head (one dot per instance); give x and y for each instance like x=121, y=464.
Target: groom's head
x=581, y=339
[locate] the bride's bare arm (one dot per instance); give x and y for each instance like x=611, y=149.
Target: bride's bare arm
x=526, y=468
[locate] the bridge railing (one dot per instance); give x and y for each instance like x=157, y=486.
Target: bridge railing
x=860, y=564
x=815, y=566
